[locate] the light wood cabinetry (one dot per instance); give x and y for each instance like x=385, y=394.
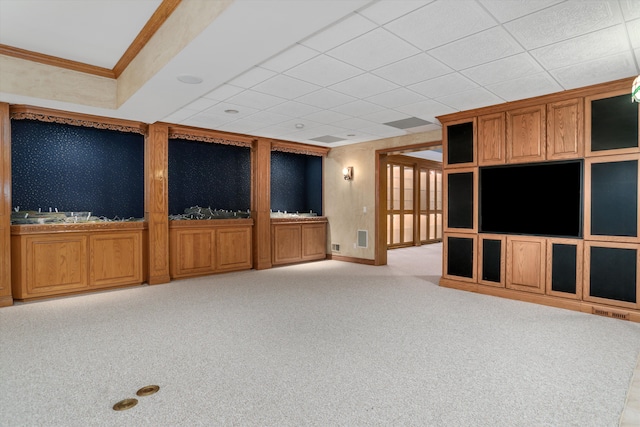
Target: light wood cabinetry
x=297, y=240
x=491, y=139
x=50, y=260
x=597, y=268
x=526, y=134
x=202, y=247
x=5, y=206
x=526, y=264
x=565, y=129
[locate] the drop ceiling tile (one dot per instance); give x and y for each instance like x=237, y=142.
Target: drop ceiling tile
x=285, y=87
x=563, y=21
x=179, y=116
x=293, y=109
x=250, y=98
x=363, y=86
x=525, y=87
x=426, y=110
x=326, y=116
x=309, y=125
x=358, y=108
x=503, y=69
x=268, y=117
x=396, y=98
x=444, y=85
x=219, y=110
x=240, y=126
x=584, y=48
x=223, y=92
x=274, y=131
x=252, y=77
x=323, y=70
x=384, y=11
x=210, y=121
x=507, y=10
x=633, y=29
x=347, y=29
x=355, y=123
x=325, y=98
x=386, y=116
x=384, y=131
x=373, y=50
x=441, y=22
x=297, y=54
x=630, y=9
x=606, y=69
x=470, y=99
x=413, y=70
x=481, y=48
x=201, y=104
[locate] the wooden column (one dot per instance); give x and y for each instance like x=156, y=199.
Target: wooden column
x=5, y=206
x=261, y=202
x=156, y=204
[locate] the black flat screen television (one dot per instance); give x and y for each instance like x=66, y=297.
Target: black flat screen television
x=542, y=199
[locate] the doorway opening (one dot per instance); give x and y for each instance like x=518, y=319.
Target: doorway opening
x=409, y=198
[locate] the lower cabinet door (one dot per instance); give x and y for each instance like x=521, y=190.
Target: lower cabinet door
x=314, y=241
x=55, y=264
x=526, y=263
x=287, y=243
x=233, y=249
x=192, y=252
x=115, y=259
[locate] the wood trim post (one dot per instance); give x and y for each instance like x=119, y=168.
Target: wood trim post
x=380, y=257
x=261, y=202
x=156, y=205
x=5, y=206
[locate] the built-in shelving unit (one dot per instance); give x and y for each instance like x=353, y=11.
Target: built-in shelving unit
x=587, y=259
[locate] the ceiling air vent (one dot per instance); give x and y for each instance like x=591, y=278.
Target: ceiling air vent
x=411, y=122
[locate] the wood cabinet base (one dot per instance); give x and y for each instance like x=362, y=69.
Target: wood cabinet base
x=583, y=306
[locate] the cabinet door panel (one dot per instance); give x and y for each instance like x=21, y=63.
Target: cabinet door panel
x=526, y=134
x=314, y=241
x=193, y=253
x=491, y=135
x=116, y=259
x=233, y=248
x=287, y=241
x=56, y=264
x=526, y=263
x=565, y=129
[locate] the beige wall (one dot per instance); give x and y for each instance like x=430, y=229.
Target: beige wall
x=344, y=201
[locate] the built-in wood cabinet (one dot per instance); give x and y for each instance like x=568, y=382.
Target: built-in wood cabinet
x=491, y=139
x=297, y=240
x=594, y=269
x=565, y=129
x=526, y=134
x=202, y=247
x=59, y=259
x=526, y=264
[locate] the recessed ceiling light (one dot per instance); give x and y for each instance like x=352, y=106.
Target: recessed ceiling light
x=192, y=80
x=231, y=111
x=299, y=125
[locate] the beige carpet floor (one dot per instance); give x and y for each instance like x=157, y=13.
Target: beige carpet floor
x=320, y=344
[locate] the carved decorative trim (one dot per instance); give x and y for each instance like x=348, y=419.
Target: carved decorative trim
x=298, y=148
x=211, y=139
x=52, y=116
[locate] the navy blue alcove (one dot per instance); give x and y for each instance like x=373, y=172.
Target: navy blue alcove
x=74, y=168
x=208, y=175
x=296, y=182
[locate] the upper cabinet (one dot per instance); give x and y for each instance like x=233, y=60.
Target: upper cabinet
x=611, y=124
x=491, y=132
x=565, y=124
x=526, y=134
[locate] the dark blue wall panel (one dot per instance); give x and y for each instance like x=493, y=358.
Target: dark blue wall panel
x=296, y=182
x=208, y=175
x=74, y=168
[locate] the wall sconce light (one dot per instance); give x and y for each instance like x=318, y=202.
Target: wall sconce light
x=348, y=173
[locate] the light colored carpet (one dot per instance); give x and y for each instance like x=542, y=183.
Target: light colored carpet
x=320, y=344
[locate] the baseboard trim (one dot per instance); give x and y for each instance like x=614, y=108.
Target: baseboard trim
x=351, y=259
x=552, y=301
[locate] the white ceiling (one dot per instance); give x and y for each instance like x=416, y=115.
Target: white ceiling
x=342, y=69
